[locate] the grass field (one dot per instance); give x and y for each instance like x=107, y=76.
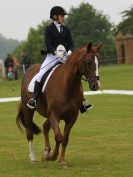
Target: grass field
x=116, y=77
x=111, y=77
x=101, y=141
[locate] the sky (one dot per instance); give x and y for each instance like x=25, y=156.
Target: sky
x=17, y=16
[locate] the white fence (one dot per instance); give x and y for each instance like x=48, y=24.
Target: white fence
x=117, y=92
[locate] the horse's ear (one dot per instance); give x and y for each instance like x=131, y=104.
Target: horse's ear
x=89, y=46
x=99, y=47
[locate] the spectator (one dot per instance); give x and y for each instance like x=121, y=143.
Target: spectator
x=16, y=68
x=8, y=63
x=25, y=61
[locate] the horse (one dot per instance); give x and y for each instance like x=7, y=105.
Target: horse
x=61, y=100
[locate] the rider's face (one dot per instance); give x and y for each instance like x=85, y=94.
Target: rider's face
x=61, y=19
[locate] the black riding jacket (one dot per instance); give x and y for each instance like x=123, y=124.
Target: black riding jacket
x=8, y=62
x=53, y=38
x=26, y=61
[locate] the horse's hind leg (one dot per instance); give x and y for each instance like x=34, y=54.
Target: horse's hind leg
x=25, y=117
x=31, y=129
x=46, y=129
x=30, y=142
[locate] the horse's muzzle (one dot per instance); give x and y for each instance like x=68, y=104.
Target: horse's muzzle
x=94, y=85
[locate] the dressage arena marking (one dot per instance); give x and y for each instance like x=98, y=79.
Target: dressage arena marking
x=117, y=92
x=9, y=99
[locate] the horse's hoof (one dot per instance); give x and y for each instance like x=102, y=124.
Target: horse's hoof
x=63, y=164
x=32, y=159
x=46, y=158
x=46, y=155
x=53, y=158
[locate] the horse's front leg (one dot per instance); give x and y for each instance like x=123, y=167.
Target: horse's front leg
x=67, y=128
x=55, y=152
x=46, y=129
x=54, y=122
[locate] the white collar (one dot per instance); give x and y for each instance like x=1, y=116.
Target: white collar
x=57, y=24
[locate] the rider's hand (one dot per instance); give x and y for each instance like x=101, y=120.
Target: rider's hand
x=69, y=52
x=59, y=54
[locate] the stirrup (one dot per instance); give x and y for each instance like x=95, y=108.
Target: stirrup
x=31, y=105
x=88, y=107
x=85, y=108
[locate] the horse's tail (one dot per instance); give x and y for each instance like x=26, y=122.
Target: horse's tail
x=20, y=121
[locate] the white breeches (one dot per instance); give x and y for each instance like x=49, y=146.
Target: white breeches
x=49, y=61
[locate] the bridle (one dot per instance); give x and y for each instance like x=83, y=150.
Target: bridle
x=87, y=79
x=82, y=59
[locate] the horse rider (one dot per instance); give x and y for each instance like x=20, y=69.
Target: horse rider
x=59, y=46
x=25, y=61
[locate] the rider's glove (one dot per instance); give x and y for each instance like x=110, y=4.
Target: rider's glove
x=59, y=54
x=69, y=52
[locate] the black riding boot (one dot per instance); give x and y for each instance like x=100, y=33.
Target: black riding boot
x=32, y=102
x=85, y=108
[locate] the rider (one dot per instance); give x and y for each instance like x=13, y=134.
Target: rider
x=25, y=60
x=57, y=37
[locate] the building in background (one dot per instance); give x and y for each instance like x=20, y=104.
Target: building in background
x=124, y=48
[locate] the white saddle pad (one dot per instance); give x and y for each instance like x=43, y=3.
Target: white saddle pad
x=32, y=82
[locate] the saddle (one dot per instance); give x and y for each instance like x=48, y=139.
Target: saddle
x=44, y=80
x=46, y=76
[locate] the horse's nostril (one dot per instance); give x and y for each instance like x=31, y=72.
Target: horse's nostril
x=94, y=87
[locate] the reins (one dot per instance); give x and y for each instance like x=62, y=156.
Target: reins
x=64, y=54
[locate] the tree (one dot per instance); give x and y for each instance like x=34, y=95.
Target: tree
x=34, y=43
x=88, y=24
x=126, y=25
x=7, y=46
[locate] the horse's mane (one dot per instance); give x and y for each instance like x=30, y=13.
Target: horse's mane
x=77, y=53
x=82, y=47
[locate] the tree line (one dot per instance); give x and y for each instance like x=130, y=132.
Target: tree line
x=7, y=46
x=86, y=24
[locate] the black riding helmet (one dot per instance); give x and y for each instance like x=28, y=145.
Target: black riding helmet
x=57, y=10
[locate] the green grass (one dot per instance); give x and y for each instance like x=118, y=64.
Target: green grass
x=111, y=77
x=115, y=77
x=10, y=88
x=101, y=141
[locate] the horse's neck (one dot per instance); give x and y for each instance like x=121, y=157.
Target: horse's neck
x=73, y=62
x=71, y=74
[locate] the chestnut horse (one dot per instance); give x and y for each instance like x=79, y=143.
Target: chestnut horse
x=61, y=100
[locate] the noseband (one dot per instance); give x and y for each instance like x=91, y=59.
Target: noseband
x=87, y=79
